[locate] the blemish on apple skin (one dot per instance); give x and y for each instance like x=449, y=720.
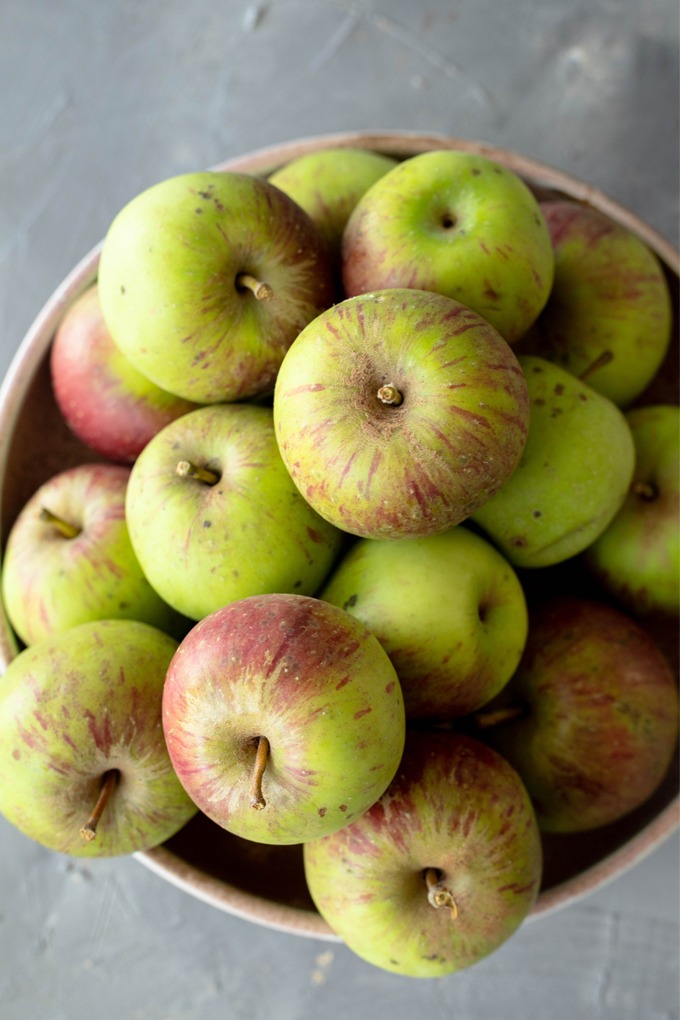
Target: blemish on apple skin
x=518, y=542
x=207, y=524
x=537, y=513
x=322, y=812
x=351, y=601
x=390, y=687
x=342, y=807
x=16, y=754
x=362, y=712
x=559, y=389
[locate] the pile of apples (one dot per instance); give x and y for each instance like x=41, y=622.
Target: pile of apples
x=345, y=421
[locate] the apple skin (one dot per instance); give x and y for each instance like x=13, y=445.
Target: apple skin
x=310, y=678
x=448, y=609
x=381, y=471
x=453, y=807
x=168, y=283
x=637, y=558
x=72, y=708
x=106, y=402
x=455, y=223
x=203, y=545
x=572, y=478
x=600, y=725
x=51, y=583
x=328, y=184
x=609, y=294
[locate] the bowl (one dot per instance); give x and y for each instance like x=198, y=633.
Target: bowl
x=265, y=884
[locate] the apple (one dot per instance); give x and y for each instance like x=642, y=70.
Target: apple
x=283, y=717
x=441, y=870
x=573, y=476
x=459, y=224
x=84, y=769
x=214, y=516
x=399, y=413
x=106, y=402
x=637, y=558
x=205, y=279
x=590, y=718
x=448, y=609
x=609, y=296
x=328, y=183
x=69, y=559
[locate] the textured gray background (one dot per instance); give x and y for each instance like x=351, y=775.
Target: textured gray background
x=97, y=101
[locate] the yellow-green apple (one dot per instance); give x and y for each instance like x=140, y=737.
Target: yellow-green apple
x=398, y=413
x=574, y=473
x=205, y=279
x=107, y=403
x=459, y=224
x=69, y=558
x=590, y=718
x=448, y=609
x=609, y=311
x=329, y=183
x=637, y=558
x=283, y=717
x=214, y=516
x=84, y=768
x=441, y=871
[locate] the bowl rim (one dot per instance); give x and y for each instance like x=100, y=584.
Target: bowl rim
x=30, y=356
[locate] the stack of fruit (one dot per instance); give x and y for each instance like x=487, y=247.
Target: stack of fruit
x=345, y=424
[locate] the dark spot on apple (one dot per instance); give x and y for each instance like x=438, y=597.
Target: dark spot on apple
x=390, y=687
x=199, y=210
x=234, y=572
x=322, y=812
x=298, y=584
x=341, y=683
x=476, y=171
x=582, y=396
x=497, y=170
x=536, y=368
x=518, y=542
x=16, y=753
x=123, y=605
x=559, y=389
x=537, y=513
x=343, y=807
x=556, y=412
x=448, y=220
x=363, y=711
x=537, y=219
x=207, y=524
x=204, y=194
x=122, y=288
x=351, y=601
x=539, y=401
x=482, y=611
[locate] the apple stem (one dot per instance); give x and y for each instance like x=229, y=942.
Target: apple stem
x=89, y=829
x=67, y=529
x=437, y=893
x=600, y=361
x=389, y=394
x=261, y=756
x=483, y=720
x=187, y=469
x=645, y=490
x=261, y=290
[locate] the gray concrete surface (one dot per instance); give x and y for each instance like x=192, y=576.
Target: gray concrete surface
x=97, y=101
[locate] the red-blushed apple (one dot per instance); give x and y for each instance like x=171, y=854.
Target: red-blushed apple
x=69, y=559
x=328, y=184
x=448, y=609
x=573, y=475
x=459, y=224
x=609, y=297
x=214, y=516
x=283, y=716
x=590, y=718
x=399, y=413
x=205, y=279
x=107, y=403
x=637, y=558
x=441, y=870
x=84, y=769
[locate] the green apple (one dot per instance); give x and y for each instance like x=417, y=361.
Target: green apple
x=590, y=718
x=637, y=558
x=448, y=609
x=398, y=413
x=610, y=296
x=106, y=402
x=459, y=224
x=205, y=280
x=283, y=717
x=69, y=558
x=214, y=516
x=574, y=473
x=84, y=769
x=441, y=871
x=329, y=183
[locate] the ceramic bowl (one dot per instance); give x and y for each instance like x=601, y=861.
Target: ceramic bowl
x=266, y=884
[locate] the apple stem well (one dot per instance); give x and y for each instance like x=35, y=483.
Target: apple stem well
x=645, y=490
x=67, y=529
x=389, y=394
x=261, y=290
x=437, y=893
x=187, y=469
x=600, y=361
x=109, y=783
x=261, y=757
